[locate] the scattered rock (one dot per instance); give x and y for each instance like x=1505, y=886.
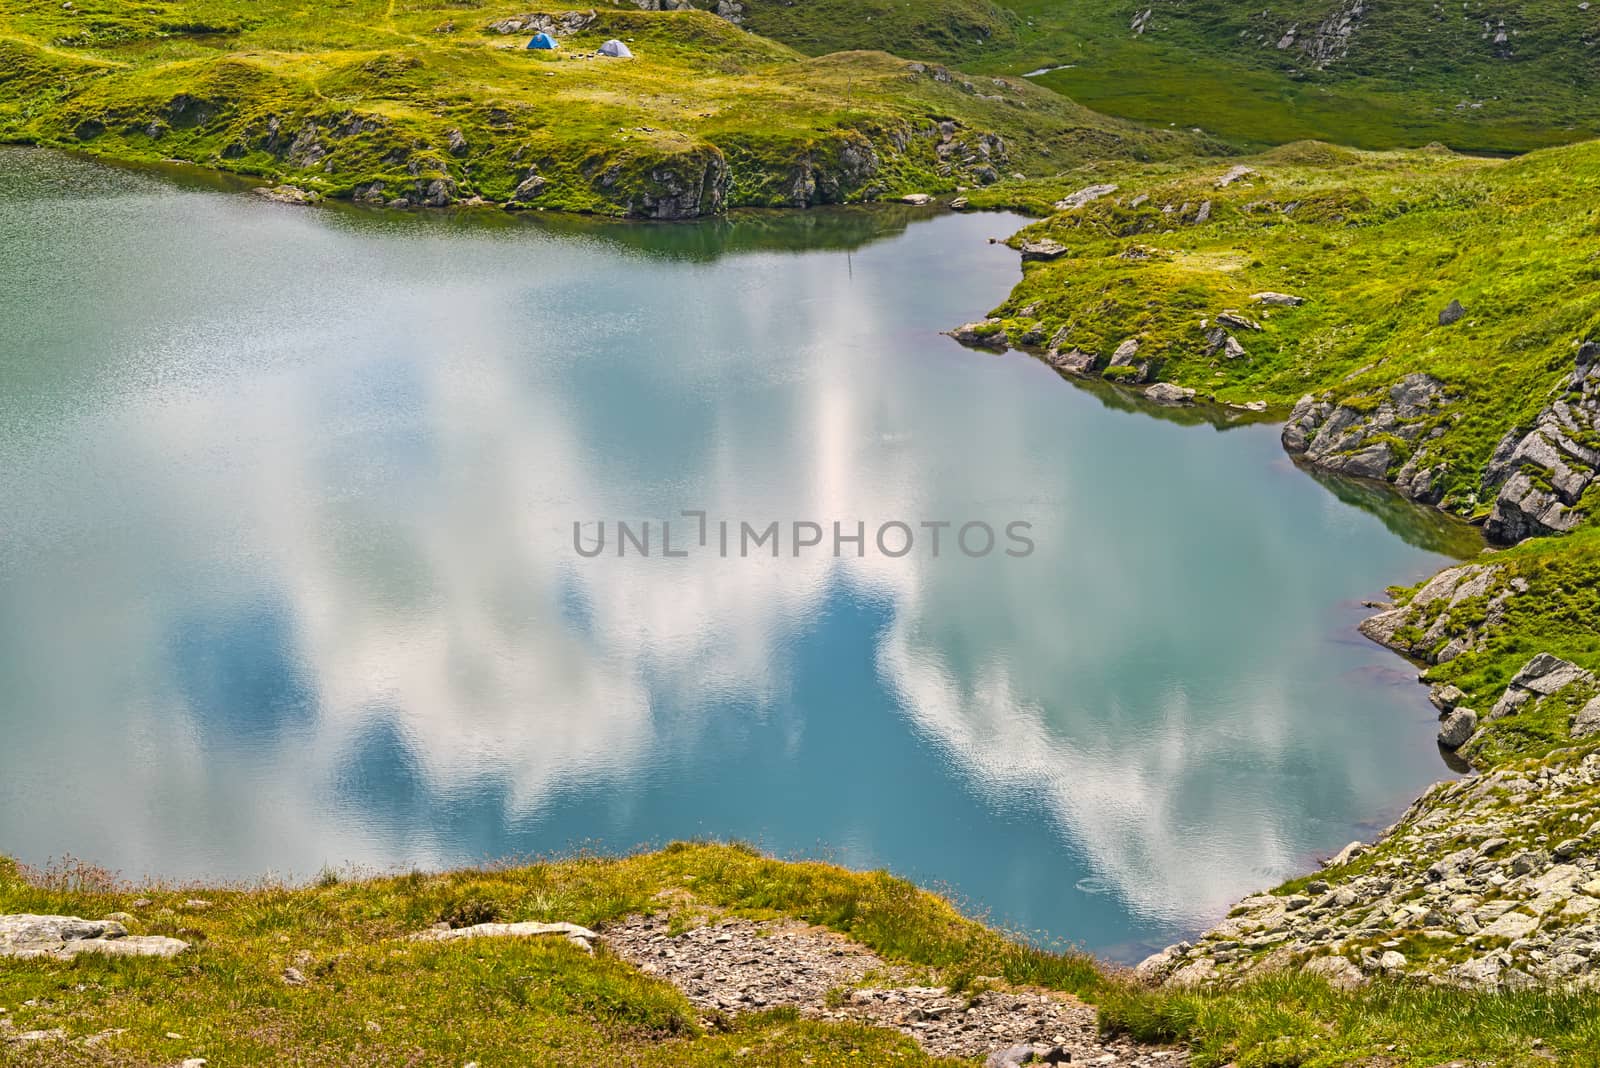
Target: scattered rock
x=918, y=199
x=1452, y=314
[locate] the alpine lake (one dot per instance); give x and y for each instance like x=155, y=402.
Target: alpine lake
x=288, y=575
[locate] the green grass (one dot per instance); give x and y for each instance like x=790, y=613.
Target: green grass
x=372, y=997
x=417, y=92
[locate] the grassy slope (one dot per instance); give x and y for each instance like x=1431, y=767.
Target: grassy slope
x=1377, y=244
x=373, y=998
x=1416, y=71
x=337, y=96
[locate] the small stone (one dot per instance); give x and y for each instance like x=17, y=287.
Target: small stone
x=1452, y=314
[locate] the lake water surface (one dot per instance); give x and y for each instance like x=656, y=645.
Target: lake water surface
x=287, y=577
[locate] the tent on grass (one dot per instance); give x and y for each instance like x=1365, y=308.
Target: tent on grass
x=615, y=49
x=542, y=40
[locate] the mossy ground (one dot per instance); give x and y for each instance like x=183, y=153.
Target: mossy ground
x=372, y=997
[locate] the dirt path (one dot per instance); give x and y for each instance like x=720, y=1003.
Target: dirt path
x=736, y=966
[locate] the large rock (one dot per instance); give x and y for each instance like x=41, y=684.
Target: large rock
x=1586, y=723
x=1073, y=361
x=1044, y=249
x=1543, y=676
x=987, y=334
x=1339, y=972
x=1457, y=728
x=1167, y=393
x=26, y=935
x=1127, y=355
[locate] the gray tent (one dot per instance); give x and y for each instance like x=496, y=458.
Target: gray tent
x=615, y=48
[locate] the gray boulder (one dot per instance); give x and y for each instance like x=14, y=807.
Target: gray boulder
x=1167, y=393
x=1586, y=724
x=26, y=936
x=1457, y=728
x=1042, y=250
x=1086, y=195
x=1277, y=300
x=1452, y=314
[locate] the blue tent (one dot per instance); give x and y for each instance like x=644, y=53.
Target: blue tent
x=542, y=40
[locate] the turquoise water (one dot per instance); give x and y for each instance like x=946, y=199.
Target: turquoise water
x=287, y=576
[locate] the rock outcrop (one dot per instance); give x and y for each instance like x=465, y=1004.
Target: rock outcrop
x=1540, y=476
x=1441, y=620
x=1386, y=441
x=64, y=937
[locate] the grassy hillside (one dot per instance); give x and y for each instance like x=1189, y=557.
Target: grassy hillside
x=365, y=994
x=1492, y=76
x=435, y=101
x=1376, y=246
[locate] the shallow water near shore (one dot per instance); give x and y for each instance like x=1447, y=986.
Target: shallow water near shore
x=288, y=580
